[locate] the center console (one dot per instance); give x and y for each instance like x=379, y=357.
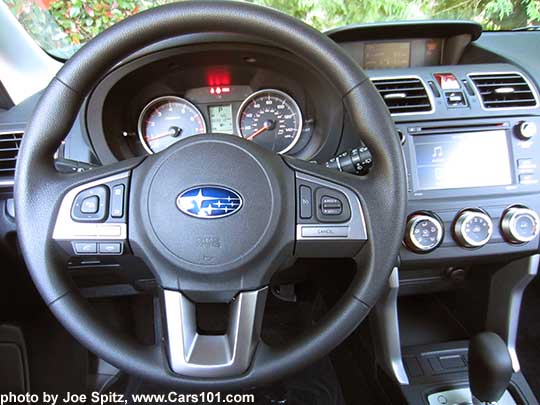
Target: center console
x=472, y=158
x=473, y=188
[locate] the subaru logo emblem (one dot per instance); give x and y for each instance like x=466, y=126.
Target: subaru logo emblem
x=209, y=202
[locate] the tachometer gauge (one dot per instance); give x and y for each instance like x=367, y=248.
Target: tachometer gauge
x=272, y=119
x=166, y=120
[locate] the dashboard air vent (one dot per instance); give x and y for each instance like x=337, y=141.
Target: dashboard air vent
x=504, y=90
x=404, y=95
x=9, y=148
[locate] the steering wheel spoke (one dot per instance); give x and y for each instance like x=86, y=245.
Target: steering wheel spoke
x=196, y=354
x=92, y=215
x=330, y=218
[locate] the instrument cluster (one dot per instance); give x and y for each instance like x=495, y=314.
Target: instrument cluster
x=269, y=117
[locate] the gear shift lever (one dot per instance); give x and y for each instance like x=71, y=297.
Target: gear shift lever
x=490, y=367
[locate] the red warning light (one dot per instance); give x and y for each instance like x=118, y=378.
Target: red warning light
x=218, y=90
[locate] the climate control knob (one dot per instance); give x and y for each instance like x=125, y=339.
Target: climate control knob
x=473, y=228
x=520, y=225
x=423, y=233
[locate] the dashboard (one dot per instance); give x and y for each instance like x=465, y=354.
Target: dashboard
x=467, y=119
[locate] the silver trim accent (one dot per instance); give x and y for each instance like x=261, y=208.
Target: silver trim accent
x=508, y=224
x=463, y=218
x=356, y=224
x=386, y=327
x=463, y=396
x=66, y=228
x=8, y=182
x=17, y=131
x=294, y=105
x=195, y=355
x=151, y=104
x=477, y=93
x=428, y=92
x=505, y=296
x=411, y=241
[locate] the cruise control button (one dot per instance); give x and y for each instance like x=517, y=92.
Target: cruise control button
x=305, y=202
x=83, y=248
x=90, y=205
x=110, y=248
x=325, y=231
x=331, y=205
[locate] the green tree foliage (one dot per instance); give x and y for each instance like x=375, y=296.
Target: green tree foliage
x=60, y=26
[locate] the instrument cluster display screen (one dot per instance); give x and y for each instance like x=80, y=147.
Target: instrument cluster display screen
x=387, y=55
x=470, y=159
x=221, y=119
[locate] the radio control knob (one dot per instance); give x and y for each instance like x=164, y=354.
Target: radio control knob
x=423, y=233
x=526, y=130
x=520, y=225
x=473, y=229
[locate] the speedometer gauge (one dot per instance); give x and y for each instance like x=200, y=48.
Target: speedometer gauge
x=166, y=120
x=272, y=119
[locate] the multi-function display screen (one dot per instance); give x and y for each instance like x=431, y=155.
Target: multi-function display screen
x=387, y=55
x=221, y=119
x=470, y=159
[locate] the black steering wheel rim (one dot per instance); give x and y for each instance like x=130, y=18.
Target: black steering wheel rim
x=38, y=185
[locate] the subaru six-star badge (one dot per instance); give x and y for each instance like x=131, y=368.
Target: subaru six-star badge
x=209, y=202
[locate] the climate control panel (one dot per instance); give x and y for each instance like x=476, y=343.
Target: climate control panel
x=472, y=229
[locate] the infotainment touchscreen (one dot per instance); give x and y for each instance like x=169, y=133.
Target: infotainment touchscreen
x=470, y=159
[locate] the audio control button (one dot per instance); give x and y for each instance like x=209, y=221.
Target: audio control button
x=473, y=229
x=423, y=233
x=526, y=130
x=520, y=225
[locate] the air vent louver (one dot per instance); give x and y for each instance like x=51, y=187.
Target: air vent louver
x=9, y=148
x=504, y=90
x=404, y=95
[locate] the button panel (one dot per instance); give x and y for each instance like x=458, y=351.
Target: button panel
x=92, y=218
x=91, y=248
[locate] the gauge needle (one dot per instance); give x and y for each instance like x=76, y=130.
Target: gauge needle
x=266, y=126
x=171, y=132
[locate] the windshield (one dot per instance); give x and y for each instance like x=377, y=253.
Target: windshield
x=61, y=27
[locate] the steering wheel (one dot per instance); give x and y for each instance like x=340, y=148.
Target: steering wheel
x=197, y=252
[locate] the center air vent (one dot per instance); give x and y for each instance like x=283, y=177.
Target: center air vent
x=9, y=148
x=504, y=90
x=404, y=95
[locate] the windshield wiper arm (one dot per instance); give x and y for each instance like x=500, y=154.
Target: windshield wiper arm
x=527, y=28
